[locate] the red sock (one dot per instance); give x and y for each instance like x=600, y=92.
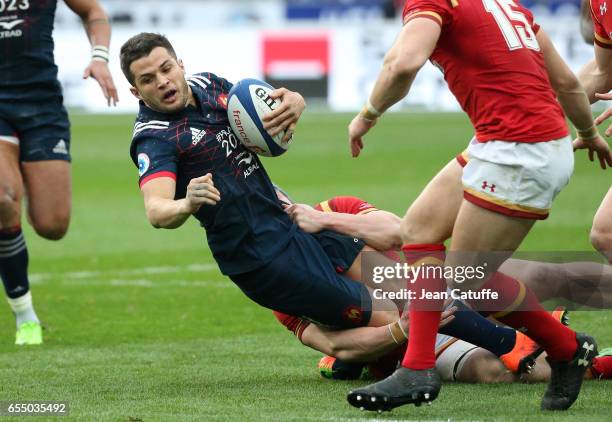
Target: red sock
x=602, y=367
x=519, y=308
x=421, y=353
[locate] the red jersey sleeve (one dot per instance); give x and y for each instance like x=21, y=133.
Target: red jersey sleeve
x=439, y=11
x=294, y=324
x=602, y=37
x=347, y=205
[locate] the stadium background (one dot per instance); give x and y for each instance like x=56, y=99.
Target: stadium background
x=139, y=323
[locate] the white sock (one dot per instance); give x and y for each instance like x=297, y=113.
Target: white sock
x=23, y=309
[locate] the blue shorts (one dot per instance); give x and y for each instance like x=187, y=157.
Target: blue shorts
x=342, y=250
x=41, y=130
x=302, y=281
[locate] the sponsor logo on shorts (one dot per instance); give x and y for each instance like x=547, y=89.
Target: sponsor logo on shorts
x=60, y=147
x=485, y=186
x=143, y=163
x=353, y=314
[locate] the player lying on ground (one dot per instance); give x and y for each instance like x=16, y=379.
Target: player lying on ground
x=35, y=138
x=515, y=88
x=506, y=353
x=579, y=283
x=596, y=77
x=190, y=163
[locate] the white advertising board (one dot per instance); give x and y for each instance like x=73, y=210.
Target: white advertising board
x=356, y=54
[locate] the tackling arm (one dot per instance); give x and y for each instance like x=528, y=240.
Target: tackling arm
x=379, y=229
x=363, y=344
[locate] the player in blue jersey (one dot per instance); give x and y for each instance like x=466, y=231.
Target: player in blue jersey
x=35, y=137
x=190, y=163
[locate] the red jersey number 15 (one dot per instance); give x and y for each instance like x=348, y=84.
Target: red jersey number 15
x=513, y=24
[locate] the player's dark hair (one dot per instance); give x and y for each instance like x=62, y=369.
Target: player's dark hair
x=140, y=46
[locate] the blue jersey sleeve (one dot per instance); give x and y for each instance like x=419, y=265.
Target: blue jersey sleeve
x=155, y=158
x=216, y=86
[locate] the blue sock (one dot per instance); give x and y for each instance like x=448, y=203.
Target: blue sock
x=14, y=262
x=472, y=327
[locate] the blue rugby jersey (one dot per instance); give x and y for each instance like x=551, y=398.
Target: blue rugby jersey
x=248, y=227
x=27, y=68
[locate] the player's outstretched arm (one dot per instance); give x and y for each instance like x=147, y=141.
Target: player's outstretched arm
x=163, y=211
x=98, y=31
x=412, y=48
x=575, y=103
x=379, y=229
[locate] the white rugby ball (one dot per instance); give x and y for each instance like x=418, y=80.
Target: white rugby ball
x=247, y=103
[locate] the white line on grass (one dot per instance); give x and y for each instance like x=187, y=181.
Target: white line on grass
x=146, y=283
x=85, y=275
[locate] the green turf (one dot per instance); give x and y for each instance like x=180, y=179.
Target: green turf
x=141, y=325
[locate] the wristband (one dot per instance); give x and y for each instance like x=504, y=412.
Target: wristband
x=588, y=134
x=369, y=112
x=397, y=332
x=100, y=53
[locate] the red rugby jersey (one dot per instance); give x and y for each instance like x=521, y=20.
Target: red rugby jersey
x=493, y=65
x=601, y=13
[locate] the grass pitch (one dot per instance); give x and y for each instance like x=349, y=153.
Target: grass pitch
x=140, y=324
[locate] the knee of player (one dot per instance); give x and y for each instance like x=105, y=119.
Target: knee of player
x=51, y=228
x=8, y=196
x=487, y=369
x=494, y=372
x=601, y=238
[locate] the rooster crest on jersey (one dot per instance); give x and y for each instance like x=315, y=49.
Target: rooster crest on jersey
x=248, y=101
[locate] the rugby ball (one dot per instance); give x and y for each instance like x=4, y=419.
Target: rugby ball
x=248, y=101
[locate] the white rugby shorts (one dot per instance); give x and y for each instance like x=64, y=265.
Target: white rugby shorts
x=451, y=355
x=515, y=178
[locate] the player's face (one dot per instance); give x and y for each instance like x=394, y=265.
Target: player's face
x=159, y=81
